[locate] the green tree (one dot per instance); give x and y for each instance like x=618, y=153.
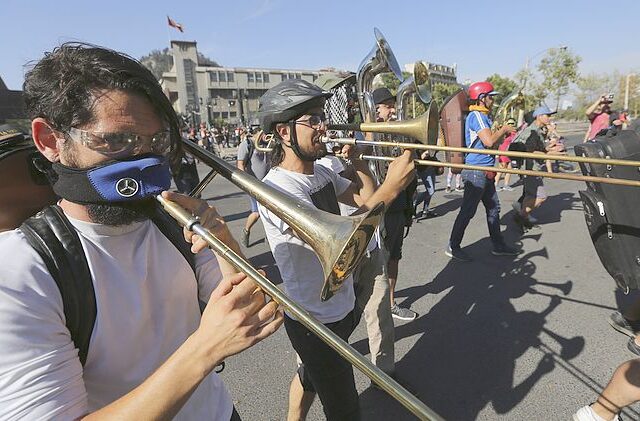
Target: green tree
x=160, y=61
x=442, y=91
x=439, y=92
x=503, y=85
x=559, y=69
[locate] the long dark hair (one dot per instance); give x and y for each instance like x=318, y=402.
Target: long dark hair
x=62, y=86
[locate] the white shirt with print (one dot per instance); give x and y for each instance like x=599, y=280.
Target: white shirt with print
x=298, y=264
x=147, y=305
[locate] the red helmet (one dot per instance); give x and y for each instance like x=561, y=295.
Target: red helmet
x=480, y=89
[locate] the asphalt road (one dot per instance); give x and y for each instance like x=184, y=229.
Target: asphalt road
x=499, y=338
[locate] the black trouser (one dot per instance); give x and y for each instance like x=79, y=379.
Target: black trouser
x=329, y=373
x=234, y=415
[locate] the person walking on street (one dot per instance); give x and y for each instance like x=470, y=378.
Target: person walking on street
x=479, y=185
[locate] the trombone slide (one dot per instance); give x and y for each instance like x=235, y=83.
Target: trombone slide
x=393, y=388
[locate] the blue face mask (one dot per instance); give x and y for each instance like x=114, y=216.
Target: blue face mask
x=136, y=178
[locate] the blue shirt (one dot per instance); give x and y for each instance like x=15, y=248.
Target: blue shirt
x=475, y=122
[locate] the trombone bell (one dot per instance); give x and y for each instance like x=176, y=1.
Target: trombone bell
x=425, y=128
x=340, y=242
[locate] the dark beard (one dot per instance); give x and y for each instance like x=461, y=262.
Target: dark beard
x=123, y=213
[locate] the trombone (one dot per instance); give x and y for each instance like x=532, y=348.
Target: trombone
x=348, y=235
x=421, y=129
x=399, y=129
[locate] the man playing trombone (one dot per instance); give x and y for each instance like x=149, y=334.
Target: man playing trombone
x=104, y=122
x=293, y=112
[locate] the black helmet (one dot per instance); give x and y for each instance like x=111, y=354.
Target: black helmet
x=288, y=100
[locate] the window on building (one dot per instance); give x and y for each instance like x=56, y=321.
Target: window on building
x=213, y=76
x=222, y=76
x=233, y=114
x=258, y=77
x=225, y=114
x=250, y=77
x=230, y=77
x=265, y=77
x=216, y=114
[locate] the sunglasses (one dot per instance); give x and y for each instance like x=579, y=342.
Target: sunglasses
x=113, y=144
x=314, y=121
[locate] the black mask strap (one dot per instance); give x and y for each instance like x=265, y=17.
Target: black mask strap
x=294, y=144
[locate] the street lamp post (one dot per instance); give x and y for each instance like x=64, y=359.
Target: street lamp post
x=626, y=91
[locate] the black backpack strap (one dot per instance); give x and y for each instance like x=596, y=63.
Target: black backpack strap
x=51, y=234
x=170, y=228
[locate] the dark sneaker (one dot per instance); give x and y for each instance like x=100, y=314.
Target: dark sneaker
x=633, y=346
x=245, y=238
x=402, y=313
x=431, y=214
x=448, y=189
x=525, y=224
x=459, y=188
x=457, y=254
x=622, y=325
x=505, y=251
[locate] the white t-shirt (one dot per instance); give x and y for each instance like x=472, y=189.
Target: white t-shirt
x=336, y=165
x=147, y=305
x=298, y=264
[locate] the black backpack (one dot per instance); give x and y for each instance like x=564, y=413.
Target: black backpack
x=51, y=234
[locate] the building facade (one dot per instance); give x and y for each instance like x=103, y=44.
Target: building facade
x=208, y=93
x=439, y=73
x=11, y=104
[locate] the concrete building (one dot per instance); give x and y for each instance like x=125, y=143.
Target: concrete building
x=11, y=103
x=439, y=73
x=207, y=93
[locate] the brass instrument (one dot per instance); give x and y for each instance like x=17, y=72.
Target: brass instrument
x=574, y=177
x=423, y=128
x=330, y=235
x=339, y=241
x=419, y=84
x=379, y=60
x=512, y=106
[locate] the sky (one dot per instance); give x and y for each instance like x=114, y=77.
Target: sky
x=482, y=37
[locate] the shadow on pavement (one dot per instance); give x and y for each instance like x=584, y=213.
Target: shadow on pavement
x=471, y=339
x=225, y=196
x=236, y=216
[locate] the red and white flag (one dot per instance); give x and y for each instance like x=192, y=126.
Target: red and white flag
x=175, y=24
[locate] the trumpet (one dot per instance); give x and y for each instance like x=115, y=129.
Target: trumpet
x=348, y=235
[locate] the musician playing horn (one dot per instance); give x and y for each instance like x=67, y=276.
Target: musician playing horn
x=104, y=122
x=293, y=112
x=479, y=185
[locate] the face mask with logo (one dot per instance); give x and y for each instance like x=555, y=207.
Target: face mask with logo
x=136, y=178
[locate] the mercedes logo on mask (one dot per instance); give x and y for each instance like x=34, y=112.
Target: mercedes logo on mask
x=127, y=187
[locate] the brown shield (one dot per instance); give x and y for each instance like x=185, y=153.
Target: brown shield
x=452, y=116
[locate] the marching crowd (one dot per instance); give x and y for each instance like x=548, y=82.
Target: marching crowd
x=163, y=319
